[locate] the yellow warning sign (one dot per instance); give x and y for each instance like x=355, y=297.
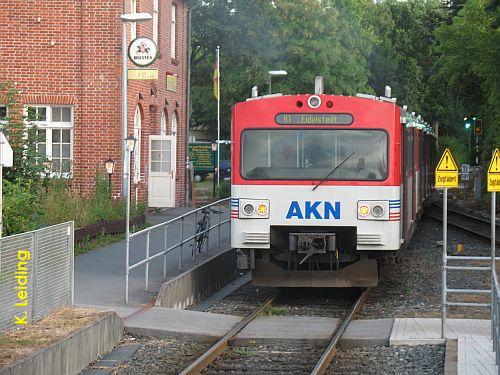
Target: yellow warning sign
x=446, y=171
x=494, y=172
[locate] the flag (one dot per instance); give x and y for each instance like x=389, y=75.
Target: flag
x=216, y=77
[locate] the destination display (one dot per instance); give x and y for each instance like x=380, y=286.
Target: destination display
x=314, y=119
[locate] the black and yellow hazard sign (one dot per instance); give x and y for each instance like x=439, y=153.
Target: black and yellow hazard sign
x=494, y=172
x=446, y=171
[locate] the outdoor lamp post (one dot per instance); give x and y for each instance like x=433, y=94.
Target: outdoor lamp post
x=133, y=17
x=129, y=143
x=275, y=73
x=110, y=168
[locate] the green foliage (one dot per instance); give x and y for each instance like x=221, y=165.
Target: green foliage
x=224, y=189
x=21, y=207
x=23, y=136
x=458, y=148
x=61, y=205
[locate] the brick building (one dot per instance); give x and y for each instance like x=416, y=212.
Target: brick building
x=64, y=56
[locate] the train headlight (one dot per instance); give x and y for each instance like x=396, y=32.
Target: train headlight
x=314, y=101
x=262, y=209
x=363, y=210
x=248, y=209
x=377, y=210
x=253, y=208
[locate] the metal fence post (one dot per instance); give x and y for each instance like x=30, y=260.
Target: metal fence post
x=165, y=255
x=218, y=227
x=195, y=236
x=34, y=257
x=207, y=243
x=146, y=286
x=71, y=248
x=182, y=243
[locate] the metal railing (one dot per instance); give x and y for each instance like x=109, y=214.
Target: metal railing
x=166, y=249
x=36, y=274
x=495, y=321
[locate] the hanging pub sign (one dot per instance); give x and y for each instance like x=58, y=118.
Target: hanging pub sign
x=142, y=51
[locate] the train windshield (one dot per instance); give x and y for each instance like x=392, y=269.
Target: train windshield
x=311, y=154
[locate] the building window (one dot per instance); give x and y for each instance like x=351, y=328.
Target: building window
x=174, y=123
x=137, y=150
x=155, y=21
x=133, y=25
x=173, y=33
x=4, y=113
x=163, y=123
x=55, y=136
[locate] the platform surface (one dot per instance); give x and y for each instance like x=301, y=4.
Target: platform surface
x=370, y=332
x=100, y=274
x=475, y=348
x=163, y=322
x=288, y=329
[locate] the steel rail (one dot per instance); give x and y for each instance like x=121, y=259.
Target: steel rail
x=468, y=215
x=330, y=351
x=216, y=350
x=461, y=227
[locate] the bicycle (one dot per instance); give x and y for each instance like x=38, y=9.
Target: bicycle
x=203, y=228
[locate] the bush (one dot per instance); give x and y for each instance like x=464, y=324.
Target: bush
x=458, y=149
x=21, y=207
x=225, y=189
x=60, y=205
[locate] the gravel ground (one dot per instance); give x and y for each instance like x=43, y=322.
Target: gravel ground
x=412, y=288
x=165, y=356
x=414, y=360
x=243, y=301
x=266, y=359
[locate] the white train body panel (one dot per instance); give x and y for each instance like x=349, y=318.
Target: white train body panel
x=298, y=206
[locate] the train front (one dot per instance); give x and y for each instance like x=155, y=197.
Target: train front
x=316, y=188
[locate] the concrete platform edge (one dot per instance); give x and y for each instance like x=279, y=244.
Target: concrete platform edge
x=199, y=282
x=74, y=352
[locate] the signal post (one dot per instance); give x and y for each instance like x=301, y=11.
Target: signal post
x=446, y=177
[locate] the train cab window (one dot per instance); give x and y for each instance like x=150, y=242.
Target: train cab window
x=312, y=154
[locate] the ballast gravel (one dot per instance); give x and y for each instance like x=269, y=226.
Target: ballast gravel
x=382, y=360
x=161, y=356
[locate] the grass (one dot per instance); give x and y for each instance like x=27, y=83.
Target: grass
x=277, y=311
x=57, y=325
x=246, y=351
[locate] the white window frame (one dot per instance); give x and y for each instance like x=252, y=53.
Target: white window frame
x=156, y=12
x=173, y=32
x=137, y=149
x=174, y=123
x=48, y=125
x=133, y=25
x=163, y=123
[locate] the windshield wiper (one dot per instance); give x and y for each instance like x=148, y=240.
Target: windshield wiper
x=333, y=170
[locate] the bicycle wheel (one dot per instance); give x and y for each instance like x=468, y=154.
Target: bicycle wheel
x=200, y=239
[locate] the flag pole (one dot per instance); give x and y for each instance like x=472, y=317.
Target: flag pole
x=218, y=121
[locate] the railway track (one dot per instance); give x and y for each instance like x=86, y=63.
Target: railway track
x=293, y=360
x=475, y=225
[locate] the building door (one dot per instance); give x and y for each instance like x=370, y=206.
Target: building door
x=162, y=171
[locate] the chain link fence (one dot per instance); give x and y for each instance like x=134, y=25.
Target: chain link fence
x=36, y=274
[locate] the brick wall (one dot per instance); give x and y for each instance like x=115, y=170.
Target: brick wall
x=69, y=52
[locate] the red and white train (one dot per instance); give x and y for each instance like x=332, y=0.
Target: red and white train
x=323, y=185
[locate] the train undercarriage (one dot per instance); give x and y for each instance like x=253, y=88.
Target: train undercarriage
x=325, y=257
